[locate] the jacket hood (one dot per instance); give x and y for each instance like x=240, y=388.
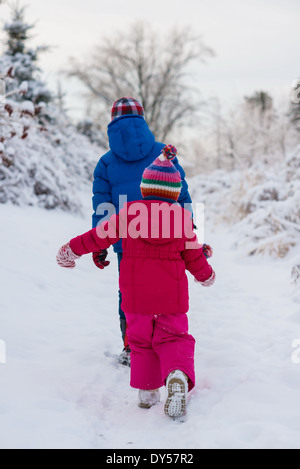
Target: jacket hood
x=130, y=137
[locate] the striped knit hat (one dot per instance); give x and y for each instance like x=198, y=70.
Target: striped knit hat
x=127, y=106
x=161, y=178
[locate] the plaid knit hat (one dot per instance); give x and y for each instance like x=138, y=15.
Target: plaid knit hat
x=161, y=178
x=127, y=106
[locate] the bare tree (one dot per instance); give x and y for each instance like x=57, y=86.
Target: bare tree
x=152, y=67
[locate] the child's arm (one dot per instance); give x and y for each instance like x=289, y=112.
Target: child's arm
x=196, y=263
x=97, y=239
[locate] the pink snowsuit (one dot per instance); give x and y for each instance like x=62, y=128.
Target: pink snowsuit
x=158, y=246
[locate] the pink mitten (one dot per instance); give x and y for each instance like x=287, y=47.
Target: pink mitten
x=66, y=257
x=208, y=282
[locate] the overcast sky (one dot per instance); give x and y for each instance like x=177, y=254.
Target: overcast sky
x=256, y=41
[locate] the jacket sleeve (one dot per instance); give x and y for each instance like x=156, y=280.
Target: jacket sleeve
x=101, y=192
x=99, y=238
x=195, y=260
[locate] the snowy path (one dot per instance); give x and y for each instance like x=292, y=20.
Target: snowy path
x=59, y=389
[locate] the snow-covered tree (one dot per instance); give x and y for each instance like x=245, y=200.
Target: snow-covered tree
x=21, y=60
x=44, y=161
x=255, y=130
x=148, y=65
x=294, y=111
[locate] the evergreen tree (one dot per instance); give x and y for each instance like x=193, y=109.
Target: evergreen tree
x=22, y=60
x=41, y=157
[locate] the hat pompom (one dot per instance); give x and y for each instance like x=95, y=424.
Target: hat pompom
x=207, y=250
x=169, y=152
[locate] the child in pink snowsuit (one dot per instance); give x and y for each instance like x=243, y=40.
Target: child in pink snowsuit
x=158, y=246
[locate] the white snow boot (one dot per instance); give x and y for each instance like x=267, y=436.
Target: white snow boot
x=177, y=388
x=148, y=398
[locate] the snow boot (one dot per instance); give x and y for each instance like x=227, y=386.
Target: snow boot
x=177, y=388
x=148, y=398
x=124, y=357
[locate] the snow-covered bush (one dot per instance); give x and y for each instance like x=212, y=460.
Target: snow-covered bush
x=44, y=166
x=262, y=204
x=44, y=161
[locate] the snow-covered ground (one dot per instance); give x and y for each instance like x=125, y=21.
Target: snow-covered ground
x=61, y=387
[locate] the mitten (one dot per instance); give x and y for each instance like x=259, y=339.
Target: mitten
x=207, y=250
x=208, y=282
x=99, y=259
x=66, y=257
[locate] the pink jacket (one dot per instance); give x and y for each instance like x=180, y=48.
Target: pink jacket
x=158, y=246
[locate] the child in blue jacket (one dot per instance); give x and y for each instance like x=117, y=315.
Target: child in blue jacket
x=118, y=174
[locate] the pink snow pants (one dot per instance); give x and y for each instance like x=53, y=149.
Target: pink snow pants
x=159, y=344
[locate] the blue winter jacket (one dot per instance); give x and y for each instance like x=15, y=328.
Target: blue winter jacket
x=118, y=174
